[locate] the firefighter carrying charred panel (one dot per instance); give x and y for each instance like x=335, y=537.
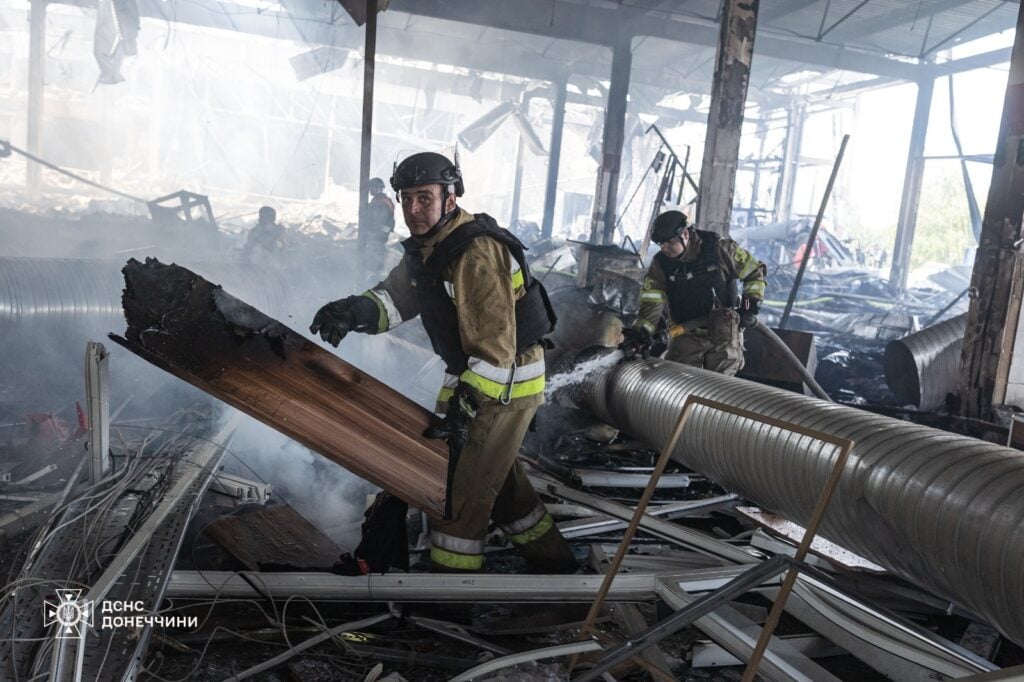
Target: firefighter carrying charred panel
x=486, y=317
x=693, y=277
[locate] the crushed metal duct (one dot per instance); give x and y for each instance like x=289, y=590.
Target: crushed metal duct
x=478, y=132
x=195, y=330
x=923, y=367
x=115, y=37
x=76, y=291
x=530, y=135
x=942, y=510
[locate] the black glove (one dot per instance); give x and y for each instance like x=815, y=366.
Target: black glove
x=336, y=319
x=635, y=342
x=454, y=428
x=748, y=313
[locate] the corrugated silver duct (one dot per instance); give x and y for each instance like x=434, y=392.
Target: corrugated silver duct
x=941, y=510
x=76, y=291
x=921, y=368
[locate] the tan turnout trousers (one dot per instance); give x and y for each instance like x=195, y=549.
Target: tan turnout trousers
x=718, y=347
x=490, y=484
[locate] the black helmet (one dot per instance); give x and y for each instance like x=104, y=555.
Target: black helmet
x=375, y=185
x=427, y=168
x=267, y=215
x=668, y=225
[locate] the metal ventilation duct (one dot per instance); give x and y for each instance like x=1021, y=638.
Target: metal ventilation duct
x=942, y=510
x=76, y=291
x=921, y=368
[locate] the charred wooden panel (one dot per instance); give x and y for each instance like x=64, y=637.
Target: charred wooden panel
x=277, y=536
x=195, y=330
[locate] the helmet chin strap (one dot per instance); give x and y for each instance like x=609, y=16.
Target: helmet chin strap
x=445, y=214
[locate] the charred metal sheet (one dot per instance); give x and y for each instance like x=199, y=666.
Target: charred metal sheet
x=942, y=510
x=923, y=367
x=195, y=330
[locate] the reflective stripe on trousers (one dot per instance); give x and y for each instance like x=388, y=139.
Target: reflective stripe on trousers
x=455, y=552
x=530, y=527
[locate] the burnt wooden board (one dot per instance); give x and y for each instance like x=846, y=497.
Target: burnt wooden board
x=274, y=535
x=195, y=330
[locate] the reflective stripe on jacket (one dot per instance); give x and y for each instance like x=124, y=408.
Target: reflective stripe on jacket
x=483, y=283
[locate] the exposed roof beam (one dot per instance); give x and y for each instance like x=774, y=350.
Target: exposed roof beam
x=602, y=26
x=978, y=61
x=981, y=27
x=912, y=12
x=781, y=8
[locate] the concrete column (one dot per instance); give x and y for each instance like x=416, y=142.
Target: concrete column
x=997, y=283
x=554, y=156
x=725, y=118
x=911, y=189
x=606, y=197
x=36, y=79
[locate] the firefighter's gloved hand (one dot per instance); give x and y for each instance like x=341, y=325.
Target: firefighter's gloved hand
x=748, y=313
x=454, y=428
x=635, y=342
x=336, y=319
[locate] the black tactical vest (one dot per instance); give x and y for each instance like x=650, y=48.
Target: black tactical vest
x=694, y=286
x=534, y=314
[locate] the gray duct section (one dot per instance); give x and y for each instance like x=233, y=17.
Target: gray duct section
x=77, y=291
x=941, y=510
x=921, y=368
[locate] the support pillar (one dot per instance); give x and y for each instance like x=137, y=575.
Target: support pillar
x=36, y=79
x=606, y=197
x=725, y=118
x=998, y=278
x=795, y=118
x=369, y=59
x=554, y=156
x=517, y=183
x=911, y=189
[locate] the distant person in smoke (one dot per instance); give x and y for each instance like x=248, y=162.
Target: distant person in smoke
x=266, y=238
x=379, y=221
x=819, y=252
x=692, y=276
x=486, y=316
